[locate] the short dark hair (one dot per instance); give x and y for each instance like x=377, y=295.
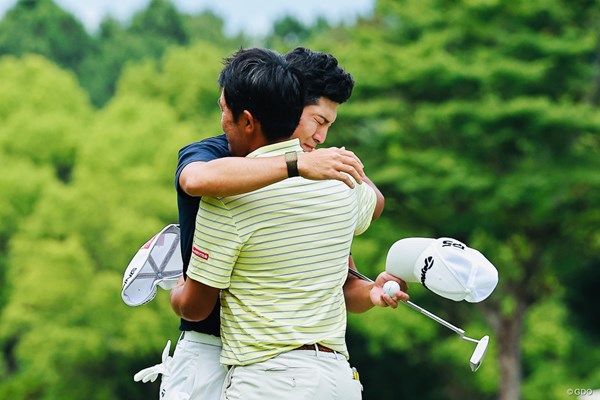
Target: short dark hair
x=262, y=82
x=324, y=77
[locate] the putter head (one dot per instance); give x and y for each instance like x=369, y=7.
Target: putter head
x=479, y=353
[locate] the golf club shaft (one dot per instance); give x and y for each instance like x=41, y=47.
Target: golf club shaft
x=419, y=309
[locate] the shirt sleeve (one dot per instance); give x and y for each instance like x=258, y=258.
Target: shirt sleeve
x=367, y=200
x=216, y=245
x=205, y=150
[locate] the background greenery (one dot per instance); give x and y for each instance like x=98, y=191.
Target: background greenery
x=478, y=120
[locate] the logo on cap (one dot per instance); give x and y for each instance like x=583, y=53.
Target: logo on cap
x=131, y=273
x=428, y=263
x=457, y=244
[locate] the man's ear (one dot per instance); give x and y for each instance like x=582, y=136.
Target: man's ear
x=248, y=122
x=252, y=128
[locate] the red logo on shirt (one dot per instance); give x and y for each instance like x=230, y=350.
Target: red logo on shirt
x=199, y=253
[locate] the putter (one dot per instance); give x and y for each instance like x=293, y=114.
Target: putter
x=482, y=344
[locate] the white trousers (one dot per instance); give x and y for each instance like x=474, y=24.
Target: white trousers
x=295, y=375
x=195, y=372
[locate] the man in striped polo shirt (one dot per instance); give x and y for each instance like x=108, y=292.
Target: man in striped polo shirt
x=205, y=169
x=279, y=255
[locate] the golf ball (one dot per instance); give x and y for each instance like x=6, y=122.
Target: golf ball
x=391, y=287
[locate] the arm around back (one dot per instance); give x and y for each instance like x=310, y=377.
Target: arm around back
x=229, y=176
x=380, y=199
x=192, y=300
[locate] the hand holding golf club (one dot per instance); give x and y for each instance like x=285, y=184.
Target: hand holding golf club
x=480, y=350
x=448, y=268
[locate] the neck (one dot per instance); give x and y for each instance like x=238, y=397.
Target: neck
x=257, y=141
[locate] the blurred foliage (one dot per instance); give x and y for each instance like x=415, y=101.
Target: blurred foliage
x=477, y=119
x=41, y=27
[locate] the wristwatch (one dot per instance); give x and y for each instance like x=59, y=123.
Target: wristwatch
x=291, y=160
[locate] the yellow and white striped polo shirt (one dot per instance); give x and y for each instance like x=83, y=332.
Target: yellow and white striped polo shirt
x=280, y=256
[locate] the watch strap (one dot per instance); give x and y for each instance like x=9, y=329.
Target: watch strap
x=291, y=160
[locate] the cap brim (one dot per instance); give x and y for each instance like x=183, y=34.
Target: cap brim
x=487, y=278
x=402, y=257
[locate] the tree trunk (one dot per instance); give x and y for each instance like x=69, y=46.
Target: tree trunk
x=508, y=333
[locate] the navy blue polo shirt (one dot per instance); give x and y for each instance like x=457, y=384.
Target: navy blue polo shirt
x=205, y=150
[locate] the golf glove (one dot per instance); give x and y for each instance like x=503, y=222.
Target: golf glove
x=151, y=373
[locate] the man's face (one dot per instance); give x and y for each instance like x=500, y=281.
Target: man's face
x=232, y=129
x=315, y=122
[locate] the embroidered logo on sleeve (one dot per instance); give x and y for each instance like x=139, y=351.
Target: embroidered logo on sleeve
x=199, y=253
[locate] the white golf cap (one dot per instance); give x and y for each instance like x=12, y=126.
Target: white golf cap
x=157, y=263
x=445, y=266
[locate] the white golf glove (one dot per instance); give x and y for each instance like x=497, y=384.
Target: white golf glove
x=151, y=373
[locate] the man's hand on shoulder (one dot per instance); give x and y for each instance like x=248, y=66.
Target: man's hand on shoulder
x=331, y=163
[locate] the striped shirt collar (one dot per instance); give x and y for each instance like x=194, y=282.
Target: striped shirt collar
x=276, y=149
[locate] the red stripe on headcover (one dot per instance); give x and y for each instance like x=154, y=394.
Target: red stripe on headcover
x=149, y=242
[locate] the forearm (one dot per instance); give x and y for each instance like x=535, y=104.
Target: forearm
x=357, y=292
x=362, y=295
x=176, y=300
x=236, y=175
x=193, y=301
x=231, y=175
x=357, y=295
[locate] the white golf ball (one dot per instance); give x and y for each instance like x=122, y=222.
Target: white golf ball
x=391, y=287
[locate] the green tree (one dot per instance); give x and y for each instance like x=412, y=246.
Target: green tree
x=37, y=144
x=208, y=27
x=149, y=34
x=186, y=79
x=113, y=48
x=41, y=27
x=35, y=92
x=21, y=184
x=160, y=25
x=64, y=325
x=43, y=113
x=474, y=120
x=289, y=32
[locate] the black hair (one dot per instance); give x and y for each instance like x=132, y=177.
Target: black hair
x=262, y=82
x=324, y=78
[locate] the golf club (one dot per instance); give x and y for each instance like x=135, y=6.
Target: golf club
x=480, y=350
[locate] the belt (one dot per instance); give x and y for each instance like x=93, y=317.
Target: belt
x=315, y=347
